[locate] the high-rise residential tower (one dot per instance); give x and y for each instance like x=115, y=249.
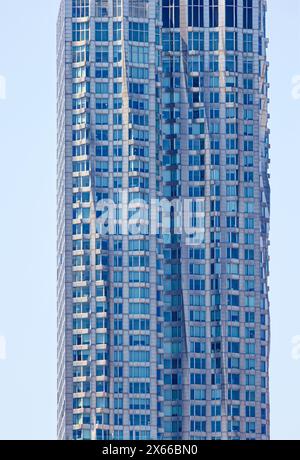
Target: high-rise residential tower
x=163, y=220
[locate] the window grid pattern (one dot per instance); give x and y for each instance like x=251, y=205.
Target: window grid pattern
x=208, y=304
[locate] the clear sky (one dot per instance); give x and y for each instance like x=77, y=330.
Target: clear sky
x=27, y=233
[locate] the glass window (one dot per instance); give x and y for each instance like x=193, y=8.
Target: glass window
x=101, y=32
x=196, y=13
x=170, y=13
x=231, y=13
x=213, y=13
x=248, y=14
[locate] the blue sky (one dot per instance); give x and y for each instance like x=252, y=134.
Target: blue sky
x=27, y=233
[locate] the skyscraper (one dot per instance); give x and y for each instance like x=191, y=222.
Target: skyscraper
x=163, y=220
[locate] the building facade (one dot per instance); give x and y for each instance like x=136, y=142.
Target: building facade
x=161, y=334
